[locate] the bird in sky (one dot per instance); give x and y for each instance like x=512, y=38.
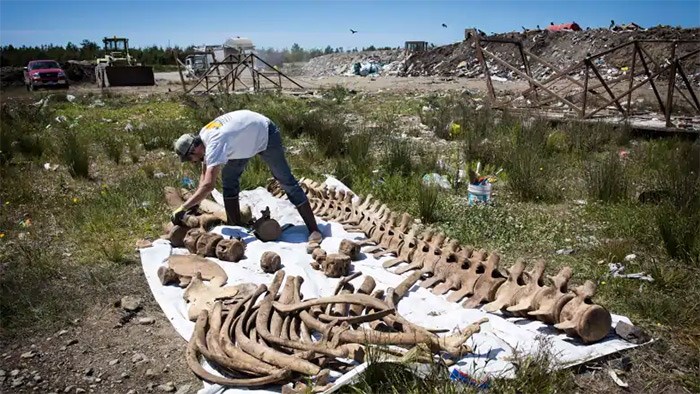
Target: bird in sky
x=353, y=31
x=444, y=25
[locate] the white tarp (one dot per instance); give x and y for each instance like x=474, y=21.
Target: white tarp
x=497, y=341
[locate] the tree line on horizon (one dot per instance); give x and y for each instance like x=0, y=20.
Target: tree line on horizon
x=13, y=56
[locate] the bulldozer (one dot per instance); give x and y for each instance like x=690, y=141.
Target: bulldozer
x=118, y=68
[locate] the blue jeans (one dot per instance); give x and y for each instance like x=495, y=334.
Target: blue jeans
x=273, y=156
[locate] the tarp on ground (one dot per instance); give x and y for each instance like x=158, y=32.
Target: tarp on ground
x=498, y=340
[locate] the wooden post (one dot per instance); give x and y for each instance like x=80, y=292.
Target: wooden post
x=635, y=87
x=281, y=74
x=629, y=96
x=484, y=66
x=526, y=64
x=605, y=85
x=687, y=84
x=527, y=78
x=671, y=85
x=585, y=92
x=179, y=70
x=651, y=81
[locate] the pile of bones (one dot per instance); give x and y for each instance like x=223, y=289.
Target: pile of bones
x=257, y=336
x=471, y=275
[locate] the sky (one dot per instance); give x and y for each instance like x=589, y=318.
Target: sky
x=279, y=24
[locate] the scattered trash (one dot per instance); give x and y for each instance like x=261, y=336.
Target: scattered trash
x=129, y=127
x=463, y=377
x=70, y=98
x=97, y=103
x=50, y=167
x=580, y=202
x=631, y=333
x=479, y=193
x=435, y=179
x=143, y=243
x=565, y=252
x=366, y=68
x=630, y=257
x=616, y=379
x=60, y=119
x=455, y=129
x=26, y=221
x=107, y=120
x=158, y=175
x=480, y=186
x=617, y=269
x=187, y=182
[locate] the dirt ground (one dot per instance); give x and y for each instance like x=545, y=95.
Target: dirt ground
x=108, y=350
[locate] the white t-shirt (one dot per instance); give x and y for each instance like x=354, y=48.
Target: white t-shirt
x=235, y=135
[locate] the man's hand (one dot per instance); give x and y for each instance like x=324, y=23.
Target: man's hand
x=177, y=215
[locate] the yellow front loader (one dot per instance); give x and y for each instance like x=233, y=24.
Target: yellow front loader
x=118, y=68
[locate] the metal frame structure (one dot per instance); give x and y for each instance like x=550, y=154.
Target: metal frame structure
x=223, y=75
x=592, y=102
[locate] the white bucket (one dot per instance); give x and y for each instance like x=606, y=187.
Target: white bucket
x=479, y=194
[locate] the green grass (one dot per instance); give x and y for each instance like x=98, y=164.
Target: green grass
x=398, y=157
x=607, y=179
x=74, y=151
x=427, y=203
x=114, y=148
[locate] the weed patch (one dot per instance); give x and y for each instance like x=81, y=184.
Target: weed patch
x=398, y=157
x=114, y=148
x=74, y=151
x=427, y=203
x=607, y=179
x=536, y=374
x=678, y=217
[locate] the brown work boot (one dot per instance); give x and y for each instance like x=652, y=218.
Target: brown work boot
x=316, y=237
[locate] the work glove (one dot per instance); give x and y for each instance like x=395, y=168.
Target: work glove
x=177, y=215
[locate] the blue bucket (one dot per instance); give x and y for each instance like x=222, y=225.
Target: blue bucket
x=479, y=194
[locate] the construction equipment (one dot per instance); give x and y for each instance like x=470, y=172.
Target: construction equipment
x=197, y=64
x=118, y=68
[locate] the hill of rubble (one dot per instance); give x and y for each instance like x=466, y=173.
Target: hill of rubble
x=562, y=49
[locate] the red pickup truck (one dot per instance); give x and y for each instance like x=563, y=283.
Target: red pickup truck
x=44, y=74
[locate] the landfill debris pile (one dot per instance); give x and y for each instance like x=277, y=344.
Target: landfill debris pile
x=11, y=76
x=77, y=71
x=561, y=48
x=389, y=62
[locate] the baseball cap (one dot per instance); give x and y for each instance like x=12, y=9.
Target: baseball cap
x=183, y=145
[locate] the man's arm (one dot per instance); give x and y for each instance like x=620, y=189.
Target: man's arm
x=206, y=185
x=202, y=172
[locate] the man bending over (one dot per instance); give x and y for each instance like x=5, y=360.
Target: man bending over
x=224, y=146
